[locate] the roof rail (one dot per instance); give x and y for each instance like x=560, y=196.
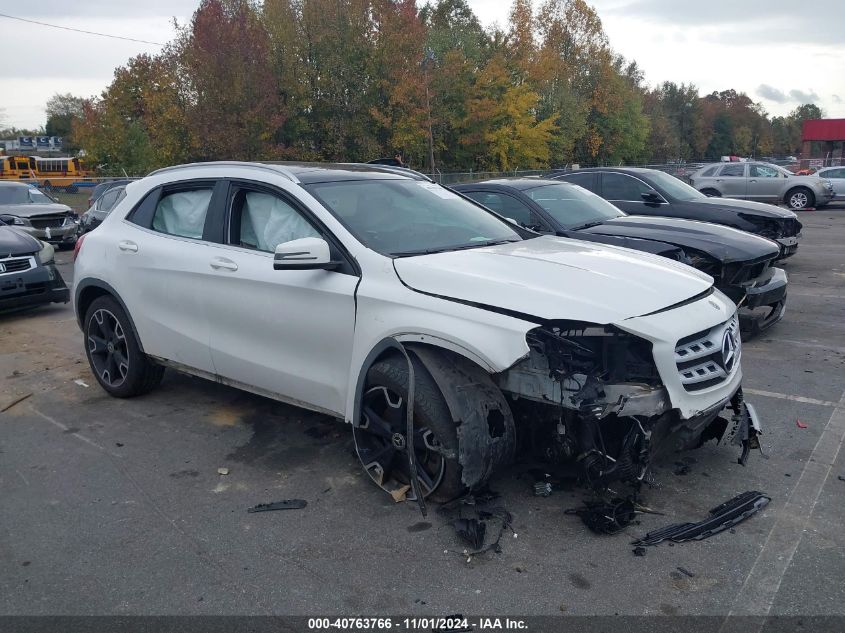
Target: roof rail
x=395, y=169
x=277, y=169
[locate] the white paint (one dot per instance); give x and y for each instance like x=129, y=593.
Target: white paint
x=785, y=396
x=762, y=584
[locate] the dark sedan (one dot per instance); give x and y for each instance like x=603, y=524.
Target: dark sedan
x=650, y=192
x=94, y=216
x=28, y=275
x=741, y=264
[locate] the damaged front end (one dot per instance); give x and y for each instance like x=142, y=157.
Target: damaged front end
x=590, y=396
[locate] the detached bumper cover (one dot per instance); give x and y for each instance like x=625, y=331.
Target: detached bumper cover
x=771, y=294
x=33, y=287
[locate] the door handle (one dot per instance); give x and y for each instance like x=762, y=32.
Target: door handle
x=221, y=263
x=128, y=246
x=752, y=181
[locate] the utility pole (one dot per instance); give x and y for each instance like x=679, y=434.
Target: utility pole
x=428, y=60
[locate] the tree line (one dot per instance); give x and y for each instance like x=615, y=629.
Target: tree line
x=353, y=80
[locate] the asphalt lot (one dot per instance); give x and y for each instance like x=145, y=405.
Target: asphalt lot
x=116, y=506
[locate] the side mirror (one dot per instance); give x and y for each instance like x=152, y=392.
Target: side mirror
x=307, y=253
x=652, y=196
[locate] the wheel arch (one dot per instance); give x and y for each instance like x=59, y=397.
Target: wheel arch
x=90, y=289
x=482, y=416
x=798, y=187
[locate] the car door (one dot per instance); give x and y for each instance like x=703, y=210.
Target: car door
x=287, y=332
x=510, y=207
x=836, y=176
x=163, y=257
x=625, y=192
x=764, y=182
x=731, y=181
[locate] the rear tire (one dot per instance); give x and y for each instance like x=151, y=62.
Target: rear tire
x=799, y=199
x=114, y=353
x=711, y=193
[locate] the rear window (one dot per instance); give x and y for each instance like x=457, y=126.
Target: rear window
x=733, y=171
x=709, y=171
x=182, y=213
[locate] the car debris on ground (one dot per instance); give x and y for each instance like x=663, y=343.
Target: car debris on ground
x=287, y=504
x=721, y=518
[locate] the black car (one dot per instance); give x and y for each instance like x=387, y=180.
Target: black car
x=94, y=216
x=741, y=264
x=104, y=186
x=28, y=275
x=640, y=191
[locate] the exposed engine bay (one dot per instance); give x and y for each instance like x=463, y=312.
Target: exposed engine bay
x=591, y=397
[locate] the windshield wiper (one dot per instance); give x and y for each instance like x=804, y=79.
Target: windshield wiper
x=446, y=249
x=587, y=225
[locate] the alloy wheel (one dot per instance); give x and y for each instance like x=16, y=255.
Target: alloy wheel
x=798, y=200
x=107, y=348
x=381, y=442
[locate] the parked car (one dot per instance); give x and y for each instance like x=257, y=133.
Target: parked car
x=740, y=263
x=94, y=216
x=29, y=209
x=651, y=192
x=102, y=187
x=346, y=288
x=28, y=275
x=836, y=177
x=762, y=182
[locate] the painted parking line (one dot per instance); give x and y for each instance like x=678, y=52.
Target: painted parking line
x=786, y=396
x=763, y=582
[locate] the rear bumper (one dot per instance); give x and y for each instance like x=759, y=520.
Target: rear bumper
x=772, y=295
x=34, y=287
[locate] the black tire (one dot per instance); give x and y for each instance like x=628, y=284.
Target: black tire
x=800, y=198
x=106, y=354
x=711, y=193
x=431, y=413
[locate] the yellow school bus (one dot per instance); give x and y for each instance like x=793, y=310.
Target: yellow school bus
x=17, y=168
x=61, y=173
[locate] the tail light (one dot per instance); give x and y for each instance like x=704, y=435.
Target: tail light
x=77, y=248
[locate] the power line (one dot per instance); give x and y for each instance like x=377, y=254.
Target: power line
x=67, y=28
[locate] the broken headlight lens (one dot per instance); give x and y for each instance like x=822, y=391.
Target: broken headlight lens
x=47, y=253
x=603, y=352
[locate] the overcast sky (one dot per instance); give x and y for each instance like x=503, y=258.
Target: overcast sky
x=780, y=52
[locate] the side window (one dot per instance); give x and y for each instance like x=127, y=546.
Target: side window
x=107, y=200
x=763, y=171
x=622, y=187
x=586, y=180
x=709, y=171
x=262, y=221
x=733, y=171
x=182, y=213
x=507, y=206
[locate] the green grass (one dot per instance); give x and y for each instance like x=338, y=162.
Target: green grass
x=77, y=201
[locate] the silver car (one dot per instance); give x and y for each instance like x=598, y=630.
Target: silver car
x=836, y=176
x=763, y=182
x=30, y=210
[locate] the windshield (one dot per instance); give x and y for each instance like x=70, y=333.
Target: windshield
x=573, y=206
x=22, y=195
x=675, y=188
x=408, y=217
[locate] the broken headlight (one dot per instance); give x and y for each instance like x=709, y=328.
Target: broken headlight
x=703, y=262
x=603, y=352
x=767, y=227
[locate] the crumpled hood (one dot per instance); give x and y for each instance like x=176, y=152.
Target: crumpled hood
x=722, y=242
x=556, y=278
x=757, y=208
x=15, y=242
x=32, y=210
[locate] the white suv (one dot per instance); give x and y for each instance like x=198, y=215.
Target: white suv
x=352, y=289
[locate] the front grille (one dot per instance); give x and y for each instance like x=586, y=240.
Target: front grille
x=16, y=265
x=47, y=221
x=710, y=357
